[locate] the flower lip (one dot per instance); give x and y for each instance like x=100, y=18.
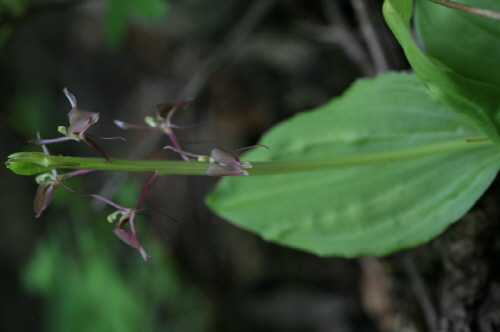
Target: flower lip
x=132, y=240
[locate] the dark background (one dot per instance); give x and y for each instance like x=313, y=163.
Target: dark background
x=246, y=66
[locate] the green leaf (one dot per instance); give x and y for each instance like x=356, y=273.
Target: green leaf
x=466, y=43
x=475, y=101
x=373, y=208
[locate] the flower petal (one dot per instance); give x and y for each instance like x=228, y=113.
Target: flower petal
x=95, y=147
x=40, y=141
x=218, y=170
x=125, y=125
x=71, y=98
x=81, y=120
x=43, y=197
x=132, y=240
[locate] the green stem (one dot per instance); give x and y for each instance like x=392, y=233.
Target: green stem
x=29, y=163
x=162, y=166
x=367, y=158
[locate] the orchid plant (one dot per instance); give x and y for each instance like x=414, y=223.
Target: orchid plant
x=388, y=165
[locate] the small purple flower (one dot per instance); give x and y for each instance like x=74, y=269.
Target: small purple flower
x=79, y=120
x=166, y=113
x=47, y=185
x=222, y=162
x=48, y=182
x=129, y=236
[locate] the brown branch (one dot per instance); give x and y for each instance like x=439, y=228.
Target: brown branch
x=468, y=9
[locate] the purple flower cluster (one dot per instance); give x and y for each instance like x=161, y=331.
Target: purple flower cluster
x=221, y=163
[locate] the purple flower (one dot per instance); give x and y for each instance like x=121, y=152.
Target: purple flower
x=165, y=114
x=47, y=185
x=129, y=236
x=48, y=182
x=222, y=162
x=79, y=120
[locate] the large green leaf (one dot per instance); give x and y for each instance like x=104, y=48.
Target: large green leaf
x=468, y=44
x=373, y=208
x=476, y=101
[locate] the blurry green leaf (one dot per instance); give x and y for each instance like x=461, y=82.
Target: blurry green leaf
x=151, y=9
x=86, y=290
x=89, y=280
x=74, y=288
x=32, y=110
x=5, y=32
x=468, y=44
x=128, y=192
x=116, y=21
x=371, y=209
x=15, y=8
x=120, y=12
x=475, y=101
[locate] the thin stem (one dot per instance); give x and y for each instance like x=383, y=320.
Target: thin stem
x=468, y=9
x=370, y=36
x=145, y=191
x=162, y=166
x=339, y=33
x=34, y=162
x=421, y=292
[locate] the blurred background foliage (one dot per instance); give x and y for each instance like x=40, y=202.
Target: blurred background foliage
x=246, y=65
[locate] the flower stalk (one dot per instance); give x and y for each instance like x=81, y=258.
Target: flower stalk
x=30, y=163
